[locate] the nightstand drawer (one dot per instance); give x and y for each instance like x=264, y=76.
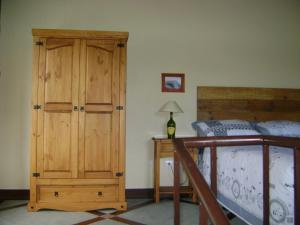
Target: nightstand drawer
x=167, y=147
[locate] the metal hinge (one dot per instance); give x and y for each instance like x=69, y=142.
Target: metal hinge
x=39, y=43
x=37, y=107
x=121, y=45
x=119, y=107
x=119, y=174
x=35, y=174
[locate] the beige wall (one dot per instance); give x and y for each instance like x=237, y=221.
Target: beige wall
x=223, y=43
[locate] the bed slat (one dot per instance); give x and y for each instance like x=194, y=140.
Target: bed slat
x=205, y=92
x=247, y=105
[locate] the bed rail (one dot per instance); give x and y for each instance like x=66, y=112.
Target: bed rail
x=208, y=205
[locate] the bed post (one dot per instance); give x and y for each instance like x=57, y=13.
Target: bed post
x=297, y=185
x=266, y=188
x=176, y=190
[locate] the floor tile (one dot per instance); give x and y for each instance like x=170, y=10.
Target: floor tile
x=134, y=202
x=11, y=203
x=20, y=216
x=162, y=214
x=107, y=222
x=107, y=211
x=142, y=211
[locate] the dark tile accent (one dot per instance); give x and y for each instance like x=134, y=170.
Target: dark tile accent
x=123, y=220
x=90, y=221
x=114, y=216
x=97, y=213
x=133, y=207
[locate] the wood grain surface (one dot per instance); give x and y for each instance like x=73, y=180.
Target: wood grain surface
x=254, y=104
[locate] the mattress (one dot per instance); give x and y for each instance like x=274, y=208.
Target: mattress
x=239, y=181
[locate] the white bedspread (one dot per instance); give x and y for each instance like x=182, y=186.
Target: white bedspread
x=240, y=182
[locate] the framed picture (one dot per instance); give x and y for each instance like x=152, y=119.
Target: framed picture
x=172, y=82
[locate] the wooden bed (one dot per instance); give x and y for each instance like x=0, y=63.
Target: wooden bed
x=252, y=104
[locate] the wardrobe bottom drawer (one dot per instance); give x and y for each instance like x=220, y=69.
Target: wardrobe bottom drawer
x=103, y=193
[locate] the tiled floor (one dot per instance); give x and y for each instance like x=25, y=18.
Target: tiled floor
x=140, y=212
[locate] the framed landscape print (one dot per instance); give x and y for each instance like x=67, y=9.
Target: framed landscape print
x=172, y=82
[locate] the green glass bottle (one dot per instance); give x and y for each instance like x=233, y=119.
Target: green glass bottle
x=171, y=127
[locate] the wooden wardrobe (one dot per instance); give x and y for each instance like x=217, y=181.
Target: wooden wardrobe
x=78, y=120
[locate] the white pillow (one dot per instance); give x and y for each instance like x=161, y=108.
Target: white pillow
x=224, y=128
x=279, y=128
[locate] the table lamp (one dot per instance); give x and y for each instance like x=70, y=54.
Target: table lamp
x=172, y=107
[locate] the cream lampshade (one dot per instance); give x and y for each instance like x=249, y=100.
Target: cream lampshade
x=172, y=107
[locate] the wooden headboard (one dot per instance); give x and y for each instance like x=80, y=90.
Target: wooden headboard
x=251, y=104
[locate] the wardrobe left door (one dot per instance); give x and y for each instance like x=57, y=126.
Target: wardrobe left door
x=57, y=129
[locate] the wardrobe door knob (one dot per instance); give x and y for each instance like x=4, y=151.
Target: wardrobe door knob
x=100, y=193
x=56, y=194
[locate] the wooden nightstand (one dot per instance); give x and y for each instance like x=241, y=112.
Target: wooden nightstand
x=163, y=148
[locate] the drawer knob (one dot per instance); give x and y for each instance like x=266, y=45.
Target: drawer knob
x=56, y=194
x=99, y=193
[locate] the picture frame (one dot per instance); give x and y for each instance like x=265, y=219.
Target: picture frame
x=172, y=82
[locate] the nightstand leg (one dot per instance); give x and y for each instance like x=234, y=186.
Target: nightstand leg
x=157, y=172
